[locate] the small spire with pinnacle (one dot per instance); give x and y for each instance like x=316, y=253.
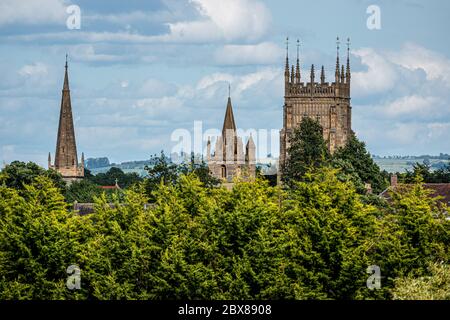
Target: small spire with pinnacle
x=297, y=70
x=348, y=73
x=342, y=74
x=337, y=74
x=322, y=76
x=286, y=69
x=292, y=74
x=312, y=74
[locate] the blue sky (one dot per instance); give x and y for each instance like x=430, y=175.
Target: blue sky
x=140, y=70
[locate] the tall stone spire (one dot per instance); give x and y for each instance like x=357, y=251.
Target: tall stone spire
x=66, y=159
x=337, y=73
x=297, y=70
x=313, y=75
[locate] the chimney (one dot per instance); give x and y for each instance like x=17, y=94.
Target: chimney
x=393, y=180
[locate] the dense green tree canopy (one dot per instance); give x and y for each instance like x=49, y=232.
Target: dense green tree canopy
x=312, y=241
x=355, y=153
x=18, y=174
x=307, y=150
x=114, y=175
x=423, y=170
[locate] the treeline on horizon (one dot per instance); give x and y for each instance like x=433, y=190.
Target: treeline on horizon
x=441, y=156
x=313, y=237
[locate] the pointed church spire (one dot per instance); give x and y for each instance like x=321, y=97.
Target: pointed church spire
x=313, y=75
x=322, y=76
x=228, y=122
x=348, y=73
x=337, y=74
x=66, y=160
x=229, y=137
x=297, y=70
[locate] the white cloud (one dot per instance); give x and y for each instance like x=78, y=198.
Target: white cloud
x=87, y=53
x=209, y=85
x=236, y=19
x=37, y=69
x=414, y=57
x=413, y=105
x=388, y=70
x=379, y=77
x=31, y=12
x=262, y=53
x=212, y=79
x=156, y=88
x=35, y=77
x=231, y=20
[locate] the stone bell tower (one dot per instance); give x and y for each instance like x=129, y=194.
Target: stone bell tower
x=326, y=102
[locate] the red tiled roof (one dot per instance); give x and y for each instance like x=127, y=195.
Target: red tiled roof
x=438, y=190
x=108, y=187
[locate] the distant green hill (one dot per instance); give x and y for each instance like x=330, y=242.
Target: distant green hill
x=390, y=164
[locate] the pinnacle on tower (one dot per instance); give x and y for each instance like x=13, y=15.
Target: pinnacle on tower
x=312, y=74
x=342, y=74
x=292, y=74
x=348, y=73
x=286, y=69
x=322, y=76
x=297, y=70
x=337, y=74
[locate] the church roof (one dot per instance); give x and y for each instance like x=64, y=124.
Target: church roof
x=441, y=190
